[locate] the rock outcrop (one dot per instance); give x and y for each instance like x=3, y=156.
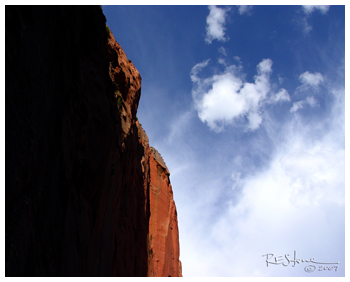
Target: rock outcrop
x=85, y=193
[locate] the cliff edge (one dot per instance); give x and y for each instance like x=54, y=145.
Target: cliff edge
x=85, y=193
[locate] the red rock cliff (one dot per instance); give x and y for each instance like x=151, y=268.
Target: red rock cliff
x=163, y=238
x=163, y=246
x=85, y=194
x=163, y=229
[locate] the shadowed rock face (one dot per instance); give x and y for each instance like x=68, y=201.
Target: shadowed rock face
x=79, y=169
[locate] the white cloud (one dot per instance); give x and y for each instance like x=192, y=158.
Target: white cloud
x=216, y=24
x=265, y=66
x=311, y=101
x=312, y=79
x=237, y=181
x=244, y=9
x=296, y=106
x=222, y=62
x=196, y=69
x=295, y=203
x=300, y=104
x=310, y=82
x=280, y=79
x=254, y=120
x=308, y=9
x=178, y=126
x=222, y=50
x=280, y=96
x=226, y=97
x=298, y=196
x=306, y=27
x=238, y=59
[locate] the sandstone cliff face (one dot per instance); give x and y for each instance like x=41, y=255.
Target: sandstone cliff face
x=81, y=186
x=163, y=240
x=163, y=229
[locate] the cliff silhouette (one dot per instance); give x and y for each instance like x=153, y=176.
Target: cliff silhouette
x=85, y=193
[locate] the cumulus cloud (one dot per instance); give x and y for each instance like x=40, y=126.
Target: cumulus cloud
x=226, y=97
x=216, y=24
x=308, y=9
x=244, y=9
x=265, y=66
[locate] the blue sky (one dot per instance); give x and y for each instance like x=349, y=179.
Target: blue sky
x=246, y=106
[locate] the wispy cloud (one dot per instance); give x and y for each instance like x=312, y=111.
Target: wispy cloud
x=299, y=193
x=244, y=9
x=308, y=9
x=310, y=84
x=222, y=50
x=305, y=25
x=295, y=203
x=216, y=24
x=225, y=97
x=300, y=104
